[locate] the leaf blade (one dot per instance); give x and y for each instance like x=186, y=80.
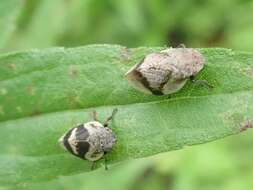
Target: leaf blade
x=145, y=125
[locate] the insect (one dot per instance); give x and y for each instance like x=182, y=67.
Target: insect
x=167, y=71
x=91, y=140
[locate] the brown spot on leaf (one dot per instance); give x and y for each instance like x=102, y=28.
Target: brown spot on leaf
x=234, y=118
x=35, y=112
x=30, y=90
x=125, y=54
x=250, y=72
x=72, y=71
x=246, y=125
x=12, y=66
x=74, y=99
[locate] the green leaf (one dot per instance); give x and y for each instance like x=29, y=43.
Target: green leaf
x=43, y=93
x=119, y=177
x=8, y=14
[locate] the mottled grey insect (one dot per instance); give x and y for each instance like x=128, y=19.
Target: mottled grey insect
x=91, y=140
x=167, y=71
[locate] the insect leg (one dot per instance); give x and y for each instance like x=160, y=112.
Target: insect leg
x=93, y=165
x=94, y=115
x=110, y=118
x=201, y=82
x=105, y=163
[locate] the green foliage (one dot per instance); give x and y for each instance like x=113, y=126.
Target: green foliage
x=47, y=23
x=8, y=14
x=46, y=92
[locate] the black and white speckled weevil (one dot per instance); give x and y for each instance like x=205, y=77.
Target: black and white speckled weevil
x=167, y=71
x=91, y=140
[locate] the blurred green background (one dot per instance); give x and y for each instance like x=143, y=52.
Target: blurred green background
x=133, y=23
x=225, y=164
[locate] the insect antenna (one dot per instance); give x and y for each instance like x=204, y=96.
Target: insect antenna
x=94, y=115
x=93, y=165
x=110, y=118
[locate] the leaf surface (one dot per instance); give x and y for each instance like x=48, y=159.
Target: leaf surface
x=43, y=93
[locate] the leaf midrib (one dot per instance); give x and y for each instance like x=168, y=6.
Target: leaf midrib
x=130, y=104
